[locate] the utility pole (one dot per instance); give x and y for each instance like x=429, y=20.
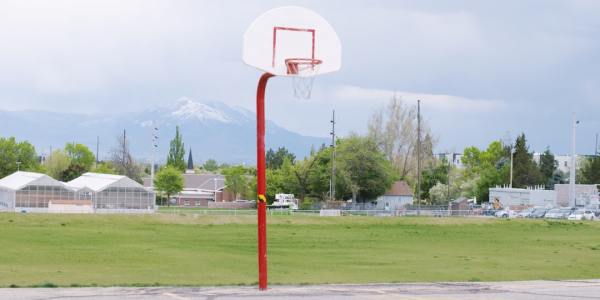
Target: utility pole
x=154, y=148
x=332, y=181
x=511, y=165
x=124, y=146
x=419, y=156
x=596, y=148
x=573, y=170
x=448, y=179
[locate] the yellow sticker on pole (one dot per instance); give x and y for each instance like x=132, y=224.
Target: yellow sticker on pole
x=262, y=198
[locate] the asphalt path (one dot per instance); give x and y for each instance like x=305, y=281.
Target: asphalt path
x=517, y=290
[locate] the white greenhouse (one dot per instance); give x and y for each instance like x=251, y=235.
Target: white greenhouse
x=113, y=193
x=27, y=191
x=89, y=193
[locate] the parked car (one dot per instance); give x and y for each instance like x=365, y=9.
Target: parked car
x=581, y=214
x=526, y=213
x=567, y=211
x=489, y=212
x=506, y=213
x=538, y=213
x=554, y=213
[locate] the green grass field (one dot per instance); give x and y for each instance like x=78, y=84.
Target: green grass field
x=164, y=249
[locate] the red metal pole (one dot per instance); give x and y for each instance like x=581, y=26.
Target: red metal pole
x=261, y=182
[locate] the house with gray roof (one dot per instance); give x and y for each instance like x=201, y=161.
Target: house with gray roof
x=200, y=189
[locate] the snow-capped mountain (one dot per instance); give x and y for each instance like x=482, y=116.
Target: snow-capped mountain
x=210, y=129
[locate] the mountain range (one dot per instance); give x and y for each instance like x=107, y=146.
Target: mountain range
x=211, y=129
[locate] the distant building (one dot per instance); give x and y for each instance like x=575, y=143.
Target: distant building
x=563, y=162
x=585, y=195
x=91, y=192
x=454, y=158
x=459, y=206
x=523, y=197
x=113, y=193
x=399, y=195
x=201, y=189
x=32, y=192
x=190, y=164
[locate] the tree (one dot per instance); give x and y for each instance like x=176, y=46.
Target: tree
x=589, y=172
x=366, y=174
x=320, y=174
x=438, y=194
x=104, y=168
x=483, y=169
x=302, y=170
x=525, y=171
x=56, y=163
x=169, y=181
x=236, y=180
x=73, y=171
x=274, y=159
x=548, y=167
x=80, y=155
x=123, y=162
x=210, y=165
x=394, y=130
x=282, y=180
x=434, y=175
x=177, y=152
x=16, y=155
x=558, y=177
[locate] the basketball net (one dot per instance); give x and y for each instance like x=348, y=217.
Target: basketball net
x=304, y=70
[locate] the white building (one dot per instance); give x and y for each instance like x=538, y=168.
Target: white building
x=91, y=192
x=523, y=197
x=399, y=195
x=454, y=158
x=563, y=162
x=33, y=192
x=113, y=193
x=585, y=195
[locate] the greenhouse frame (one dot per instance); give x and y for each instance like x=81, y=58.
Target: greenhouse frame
x=113, y=193
x=27, y=191
x=91, y=192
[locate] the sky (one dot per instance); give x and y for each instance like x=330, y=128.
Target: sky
x=484, y=70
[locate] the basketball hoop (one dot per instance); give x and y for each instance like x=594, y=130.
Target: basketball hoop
x=304, y=70
x=284, y=42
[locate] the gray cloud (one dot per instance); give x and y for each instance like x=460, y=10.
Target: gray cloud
x=531, y=62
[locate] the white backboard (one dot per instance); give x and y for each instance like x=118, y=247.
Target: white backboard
x=291, y=32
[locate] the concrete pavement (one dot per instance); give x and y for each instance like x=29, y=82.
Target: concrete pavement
x=517, y=290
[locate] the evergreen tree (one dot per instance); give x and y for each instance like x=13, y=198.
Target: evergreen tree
x=548, y=166
x=525, y=171
x=274, y=159
x=176, y=152
x=590, y=171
